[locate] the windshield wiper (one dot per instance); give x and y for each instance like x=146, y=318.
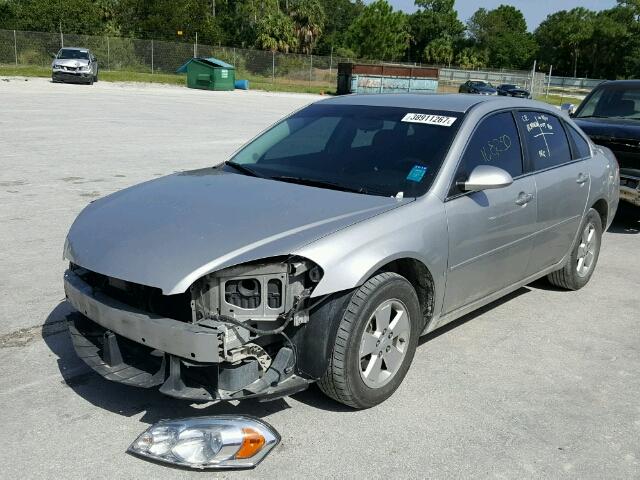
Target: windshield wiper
x=311, y=182
x=244, y=169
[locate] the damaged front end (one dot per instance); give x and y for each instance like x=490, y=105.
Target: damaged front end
x=234, y=334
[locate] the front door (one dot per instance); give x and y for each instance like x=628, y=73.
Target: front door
x=490, y=232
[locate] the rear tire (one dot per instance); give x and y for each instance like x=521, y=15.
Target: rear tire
x=375, y=343
x=584, y=256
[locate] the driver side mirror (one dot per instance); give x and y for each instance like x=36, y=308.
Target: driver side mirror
x=568, y=108
x=486, y=177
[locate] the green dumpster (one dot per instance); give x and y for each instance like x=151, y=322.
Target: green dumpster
x=209, y=74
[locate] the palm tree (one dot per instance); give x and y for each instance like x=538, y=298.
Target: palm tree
x=309, y=18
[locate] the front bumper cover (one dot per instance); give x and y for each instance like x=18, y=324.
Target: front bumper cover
x=71, y=77
x=131, y=347
x=182, y=339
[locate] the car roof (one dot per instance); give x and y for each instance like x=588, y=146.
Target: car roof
x=453, y=102
x=75, y=48
x=622, y=83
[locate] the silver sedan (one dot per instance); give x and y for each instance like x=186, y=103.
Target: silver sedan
x=324, y=248
x=74, y=65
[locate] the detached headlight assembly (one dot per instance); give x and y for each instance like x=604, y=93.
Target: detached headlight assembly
x=222, y=441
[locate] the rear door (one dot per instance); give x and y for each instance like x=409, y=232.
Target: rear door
x=562, y=184
x=490, y=232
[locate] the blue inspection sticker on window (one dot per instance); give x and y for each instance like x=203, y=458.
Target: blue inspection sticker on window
x=417, y=173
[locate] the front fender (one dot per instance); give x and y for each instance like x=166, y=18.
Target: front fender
x=350, y=256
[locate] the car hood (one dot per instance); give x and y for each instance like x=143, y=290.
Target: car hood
x=621, y=135
x=169, y=232
x=71, y=62
x=518, y=91
x=610, y=127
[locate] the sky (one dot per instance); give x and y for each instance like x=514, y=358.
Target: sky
x=535, y=11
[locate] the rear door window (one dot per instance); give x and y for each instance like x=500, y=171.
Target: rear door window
x=545, y=139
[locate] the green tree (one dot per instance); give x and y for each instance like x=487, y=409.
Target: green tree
x=502, y=34
x=613, y=31
x=71, y=16
x=471, y=58
x=162, y=19
x=276, y=32
x=7, y=15
x=439, y=51
x=562, y=36
x=379, y=32
x=339, y=15
x=630, y=10
x=308, y=17
x=435, y=20
x=241, y=19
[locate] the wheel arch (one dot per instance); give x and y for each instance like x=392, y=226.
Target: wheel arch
x=420, y=278
x=315, y=340
x=602, y=207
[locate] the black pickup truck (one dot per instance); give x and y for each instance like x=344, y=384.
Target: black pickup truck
x=610, y=115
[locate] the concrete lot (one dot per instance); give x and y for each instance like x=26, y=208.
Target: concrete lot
x=545, y=384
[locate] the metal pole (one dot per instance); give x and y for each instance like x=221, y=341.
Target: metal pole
x=310, y=68
x=533, y=77
x=61, y=36
x=549, y=80
x=331, y=61
x=273, y=67
x=234, y=56
x=195, y=47
x=152, y=57
x=15, y=46
x=108, y=55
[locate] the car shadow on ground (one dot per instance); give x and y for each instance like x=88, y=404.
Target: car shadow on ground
x=470, y=316
x=626, y=221
x=130, y=401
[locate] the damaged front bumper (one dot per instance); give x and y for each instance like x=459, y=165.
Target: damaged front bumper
x=71, y=77
x=130, y=346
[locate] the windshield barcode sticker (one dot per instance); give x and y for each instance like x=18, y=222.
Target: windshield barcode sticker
x=429, y=119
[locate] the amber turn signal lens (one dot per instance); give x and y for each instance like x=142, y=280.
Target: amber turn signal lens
x=252, y=442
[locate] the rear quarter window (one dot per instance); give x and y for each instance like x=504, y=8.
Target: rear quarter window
x=580, y=146
x=544, y=139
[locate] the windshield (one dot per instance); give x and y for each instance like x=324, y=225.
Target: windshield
x=73, y=54
x=612, y=102
x=480, y=84
x=371, y=150
x=510, y=87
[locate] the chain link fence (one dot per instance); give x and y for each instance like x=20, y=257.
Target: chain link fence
x=259, y=67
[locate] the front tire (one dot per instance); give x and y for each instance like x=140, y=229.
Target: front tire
x=375, y=343
x=584, y=256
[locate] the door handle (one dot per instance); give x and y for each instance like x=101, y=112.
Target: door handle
x=582, y=178
x=524, y=198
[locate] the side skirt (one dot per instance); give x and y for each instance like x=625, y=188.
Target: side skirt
x=462, y=311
